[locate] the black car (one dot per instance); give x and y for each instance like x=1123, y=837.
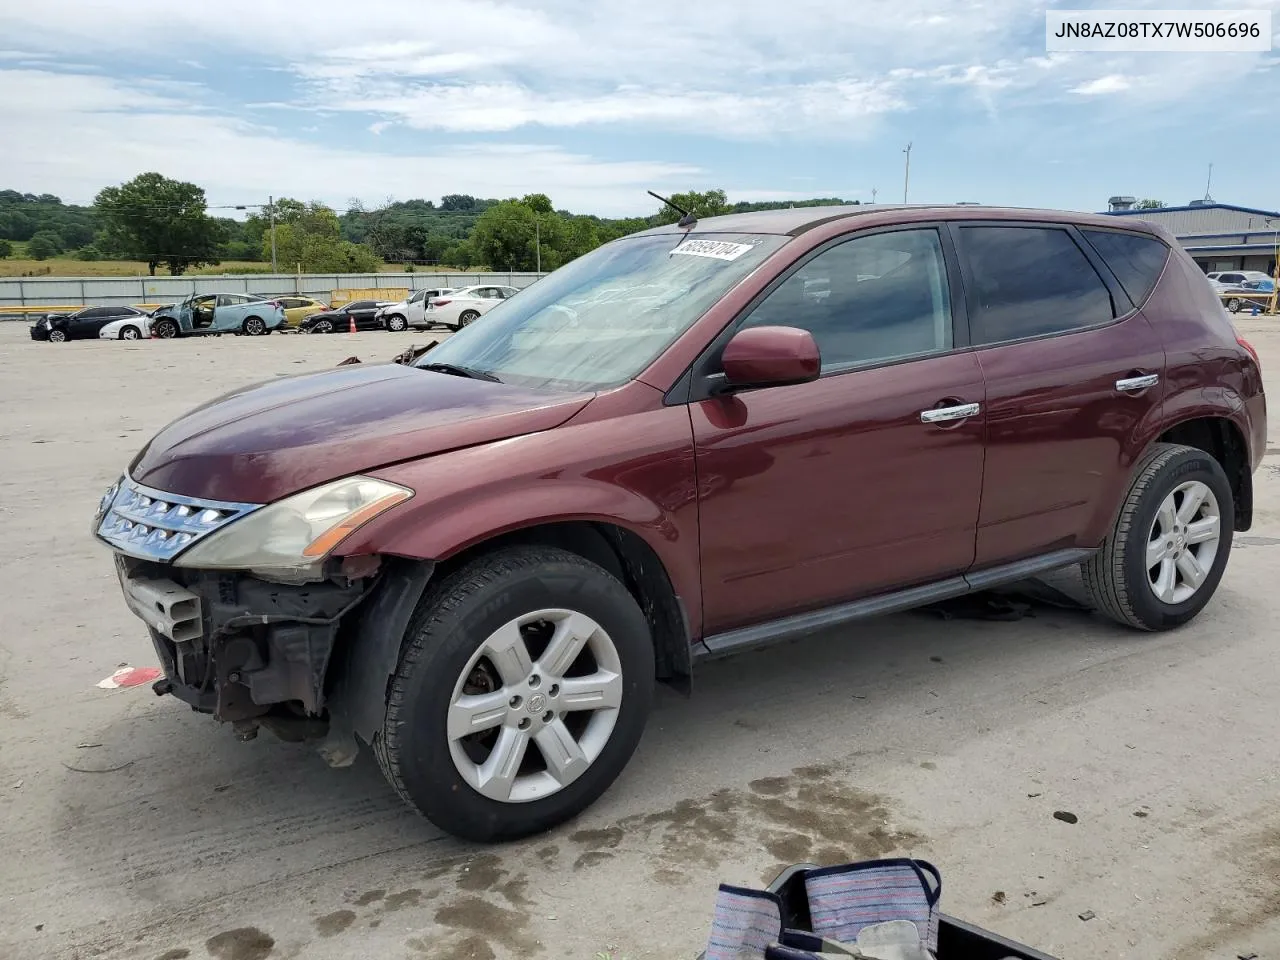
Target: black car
x=81, y=325
x=338, y=320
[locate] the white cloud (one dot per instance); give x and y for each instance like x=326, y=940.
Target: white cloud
x=1111, y=83
x=236, y=162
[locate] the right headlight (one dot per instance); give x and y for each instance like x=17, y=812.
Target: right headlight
x=292, y=537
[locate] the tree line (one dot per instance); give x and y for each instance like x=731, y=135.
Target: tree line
x=158, y=221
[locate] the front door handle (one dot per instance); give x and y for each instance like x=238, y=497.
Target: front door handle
x=1135, y=384
x=942, y=414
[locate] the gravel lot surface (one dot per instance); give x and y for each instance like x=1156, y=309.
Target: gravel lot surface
x=131, y=827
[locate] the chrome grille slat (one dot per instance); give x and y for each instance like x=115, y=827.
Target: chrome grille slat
x=155, y=525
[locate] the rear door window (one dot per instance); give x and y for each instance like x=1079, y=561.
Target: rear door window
x=1030, y=282
x=1136, y=261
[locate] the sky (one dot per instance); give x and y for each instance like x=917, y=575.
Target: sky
x=594, y=102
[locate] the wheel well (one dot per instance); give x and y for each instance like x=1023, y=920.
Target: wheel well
x=1222, y=440
x=627, y=557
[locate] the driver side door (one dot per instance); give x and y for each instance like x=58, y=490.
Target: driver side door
x=867, y=480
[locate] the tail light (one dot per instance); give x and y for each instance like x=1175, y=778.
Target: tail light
x=1249, y=347
x=440, y=303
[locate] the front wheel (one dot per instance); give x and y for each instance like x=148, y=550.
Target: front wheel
x=130, y=333
x=1168, y=550
x=1234, y=304
x=397, y=323
x=524, y=687
x=57, y=336
x=165, y=329
x=321, y=326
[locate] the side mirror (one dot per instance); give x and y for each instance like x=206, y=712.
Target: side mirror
x=770, y=357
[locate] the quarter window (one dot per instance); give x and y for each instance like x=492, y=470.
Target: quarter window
x=1029, y=282
x=869, y=299
x=1136, y=261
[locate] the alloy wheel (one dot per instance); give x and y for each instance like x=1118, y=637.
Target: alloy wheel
x=58, y=336
x=535, y=706
x=1183, y=542
x=130, y=333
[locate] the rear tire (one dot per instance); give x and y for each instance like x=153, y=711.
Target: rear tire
x=254, y=327
x=1234, y=304
x=1140, y=576
x=467, y=317
x=444, y=664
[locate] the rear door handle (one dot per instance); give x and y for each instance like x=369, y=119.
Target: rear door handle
x=943, y=414
x=1134, y=384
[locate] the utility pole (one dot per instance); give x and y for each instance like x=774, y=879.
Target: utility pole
x=906, y=176
x=873, y=194
x=537, y=242
x=271, y=203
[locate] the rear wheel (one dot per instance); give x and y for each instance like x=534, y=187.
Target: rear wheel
x=130, y=333
x=1168, y=550
x=523, y=689
x=1234, y=304
x=321, y=326
x=254, y=326
x=165, y=328
x=468, y=316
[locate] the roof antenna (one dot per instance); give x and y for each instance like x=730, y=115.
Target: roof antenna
x=687, y=219
x=1207, y=198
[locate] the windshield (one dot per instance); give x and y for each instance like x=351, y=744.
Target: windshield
x=601, y=319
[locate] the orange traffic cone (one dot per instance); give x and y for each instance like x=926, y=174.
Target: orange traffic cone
x=352, y=328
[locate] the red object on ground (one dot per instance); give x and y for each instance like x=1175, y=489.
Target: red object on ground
x=352, y=325
x=130, y=677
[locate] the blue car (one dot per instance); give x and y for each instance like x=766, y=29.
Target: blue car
x=218, y=313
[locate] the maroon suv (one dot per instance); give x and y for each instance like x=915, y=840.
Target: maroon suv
x=684, y=444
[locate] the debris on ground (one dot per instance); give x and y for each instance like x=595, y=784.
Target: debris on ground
x=998, y=897
x=1088, y=915
x=349, y=360
x=414, y=352
x=1066, y=816
x=127, y=676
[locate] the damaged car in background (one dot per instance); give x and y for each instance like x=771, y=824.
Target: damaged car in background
x=479, y=562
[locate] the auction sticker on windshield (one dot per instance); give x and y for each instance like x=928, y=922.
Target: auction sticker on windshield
x=716, y=249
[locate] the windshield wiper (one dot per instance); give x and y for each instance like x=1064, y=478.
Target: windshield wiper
x=457, y=371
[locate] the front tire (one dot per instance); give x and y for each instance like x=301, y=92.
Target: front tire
x=165, y=328
x=1169, y=547
x=321, y=326
x=397, y=323
x=58, y=336
x=523, y=689
x=130, y=333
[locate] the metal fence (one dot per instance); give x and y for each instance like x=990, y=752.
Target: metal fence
x=18, y=292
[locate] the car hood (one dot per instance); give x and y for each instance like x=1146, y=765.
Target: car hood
x=264, y=442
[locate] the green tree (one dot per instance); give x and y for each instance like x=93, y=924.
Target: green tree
x=42, y=246
x=710, y=204
x=515, y=235
x=311, y=237
x=160, y=221
x=6, y=249
x=1149, y=204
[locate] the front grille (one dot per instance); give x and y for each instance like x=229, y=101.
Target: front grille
x=154, y=525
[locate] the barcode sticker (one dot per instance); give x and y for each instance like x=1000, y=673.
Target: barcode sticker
x=716, y=249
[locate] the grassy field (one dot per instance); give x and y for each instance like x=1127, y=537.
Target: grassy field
x=61, y=267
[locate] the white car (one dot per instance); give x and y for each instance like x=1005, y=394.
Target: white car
x=411, y=312
x=127, y=328
x=1230, y=279
x=460, y=307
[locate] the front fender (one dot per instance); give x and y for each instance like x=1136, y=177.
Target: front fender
x=634, y=472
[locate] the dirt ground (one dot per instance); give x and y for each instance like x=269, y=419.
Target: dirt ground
x=132, y=828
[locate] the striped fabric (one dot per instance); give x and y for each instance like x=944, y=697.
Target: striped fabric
x=843, y=900
x=745, y=923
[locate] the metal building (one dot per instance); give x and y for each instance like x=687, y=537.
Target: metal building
x=1219, y=236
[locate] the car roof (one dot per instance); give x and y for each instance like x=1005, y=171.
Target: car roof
x=794, y=221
